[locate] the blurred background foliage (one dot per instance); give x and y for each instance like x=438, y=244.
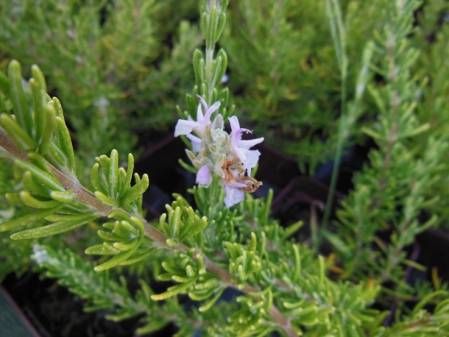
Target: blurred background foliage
x=123, y=66
x=285, y=72
x=114, y=64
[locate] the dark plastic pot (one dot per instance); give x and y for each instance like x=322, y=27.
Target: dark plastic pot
x=13, y=322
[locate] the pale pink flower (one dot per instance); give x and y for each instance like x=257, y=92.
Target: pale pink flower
x=233, y=196
x=233, y=188
x=233, y=193
x=241, y=148
x=203, y=176
x=194, y=129
x=217, y=153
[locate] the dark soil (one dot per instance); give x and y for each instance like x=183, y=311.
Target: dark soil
x=55, y=312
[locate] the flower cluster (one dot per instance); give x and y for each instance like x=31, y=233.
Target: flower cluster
x=218, y=153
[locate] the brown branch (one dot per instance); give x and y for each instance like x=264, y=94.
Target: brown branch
x=86, y=197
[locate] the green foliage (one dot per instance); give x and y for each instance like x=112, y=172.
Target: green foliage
x=421, y=322
x=165, y=86
x=102, y=58
x=124, y=241
x=101, y=291
x=13, y=258
x=394, y=191
x=249, y=263
x=52, y=201
x=432, y=40
x=285, y=71
x=112, y=184
x=314, y=57
x=209, y=67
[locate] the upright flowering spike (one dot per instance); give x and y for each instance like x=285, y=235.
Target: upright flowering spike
x=220, y=154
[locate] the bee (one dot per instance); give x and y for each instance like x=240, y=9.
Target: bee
x=231, y=167
x=251, y=184
x=234, y=173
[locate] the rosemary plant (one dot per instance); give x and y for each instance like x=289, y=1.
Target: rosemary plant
x=227, y=239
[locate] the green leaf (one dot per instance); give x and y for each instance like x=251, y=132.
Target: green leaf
x=105, y=199
x=137, y=190
x=172, y=291
x=44, y=177
x=102, y=249
x=115, y=261
x=39, y=77
x=113, y=173
x=65, y=143
x=338, y=33
x=32, y=202
x=40, y=116
x=50, y=123
x=26, y=220
x=19, y=135
x=18, y=97
x=206, y=306
x=337, y=242
x=53, y=229
x=63, y=197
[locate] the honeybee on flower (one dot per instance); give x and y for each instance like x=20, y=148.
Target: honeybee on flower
x=218, y=153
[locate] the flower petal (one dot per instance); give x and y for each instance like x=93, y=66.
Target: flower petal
x=203, y=102
x=203, y=176
x=240, y=153
x=252, y=157
x=236, y=131
x=210, y=110
x=235, y=125
x=199, y=113
x=247, y=144
x=233, y=196
x=196, y=142
x=184, y=127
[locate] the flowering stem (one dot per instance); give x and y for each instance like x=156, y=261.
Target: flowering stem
x=86, y=197
x=335, y=168
x=339, y=37
x=213, y=11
